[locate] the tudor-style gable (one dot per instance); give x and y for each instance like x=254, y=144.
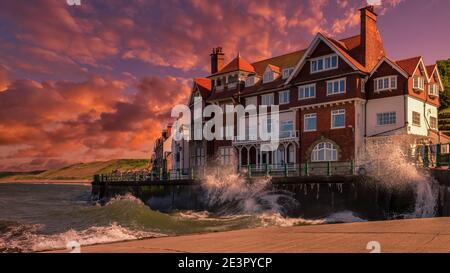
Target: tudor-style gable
x=386, y=80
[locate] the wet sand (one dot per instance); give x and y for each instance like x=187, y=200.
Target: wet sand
x=417, y=235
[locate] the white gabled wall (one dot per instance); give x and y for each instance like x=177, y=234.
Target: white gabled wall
x=389, y=104
x=426, y=111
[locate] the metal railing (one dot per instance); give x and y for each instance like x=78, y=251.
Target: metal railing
x=251, y=171
x=435, y=155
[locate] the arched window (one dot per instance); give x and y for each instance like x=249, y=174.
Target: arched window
x=324, y=151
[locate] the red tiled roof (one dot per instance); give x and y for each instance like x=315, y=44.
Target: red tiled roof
x=409, y=65
x=430, y=69
x=204, y=86
x=282, y=61
x=237, y=64
x=341, y=47
x=274, y=68
x=352, y=42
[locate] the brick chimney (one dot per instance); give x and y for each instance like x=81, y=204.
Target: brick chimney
x=372, y=48
x=217, y=60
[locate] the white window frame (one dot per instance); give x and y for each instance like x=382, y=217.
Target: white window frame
x=387, y=116
x=287, y=72
x=431, y=123
x=339, y=86
x=264, y=97
x=289, y=133
x=304, y=87
x=336, y=113
x=419, y=83
x=328, y=149
x=391, y=83
x=420, y=119
x=314, y=63
x=433, y=89
x=281, y=97
x=309, y=116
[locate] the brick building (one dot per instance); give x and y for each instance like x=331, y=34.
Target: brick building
x=333, y=96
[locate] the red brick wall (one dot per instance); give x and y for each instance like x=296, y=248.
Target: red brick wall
x=344, y=138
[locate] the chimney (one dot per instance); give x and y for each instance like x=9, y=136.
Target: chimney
x=372, y=48
x=217, y=60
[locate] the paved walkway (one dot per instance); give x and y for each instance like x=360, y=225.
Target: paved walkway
x=419, y=235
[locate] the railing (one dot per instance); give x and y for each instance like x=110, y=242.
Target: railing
x=288, y=135
x=436, y=155
x=261, y=170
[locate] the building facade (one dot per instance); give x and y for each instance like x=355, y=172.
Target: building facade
x=333, y=96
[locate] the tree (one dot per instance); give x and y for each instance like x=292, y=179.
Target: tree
x=444, y=71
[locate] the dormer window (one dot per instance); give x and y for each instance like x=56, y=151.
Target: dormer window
x=418, y=83
x=433, y=90
x=287, y=72
x=251, y=80
x=385, y=83
x=324, y=63
x=268, y=76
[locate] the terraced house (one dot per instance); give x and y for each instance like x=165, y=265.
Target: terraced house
x=333, y=96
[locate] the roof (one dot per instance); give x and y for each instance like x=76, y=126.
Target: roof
x=430, y=69
x=409, y=65
x=204, y=86
x=283, y=61
x=343, y=49
x=237, y=64
x=274, y=68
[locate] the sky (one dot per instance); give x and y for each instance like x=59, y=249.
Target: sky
x=98, y=81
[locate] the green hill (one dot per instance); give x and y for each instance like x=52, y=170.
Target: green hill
x=81, y=171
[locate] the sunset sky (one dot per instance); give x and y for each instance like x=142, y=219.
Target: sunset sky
x=98, y=81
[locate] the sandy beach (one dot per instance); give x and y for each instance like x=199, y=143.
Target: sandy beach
x=57, y=182
x=412, y=236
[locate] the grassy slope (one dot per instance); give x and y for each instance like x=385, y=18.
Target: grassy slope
x=85, y=171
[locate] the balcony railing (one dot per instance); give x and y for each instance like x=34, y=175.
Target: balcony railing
x=284, y=136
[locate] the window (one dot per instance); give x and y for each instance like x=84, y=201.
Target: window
x=433, y=90
x=306, y=91
x=416, y=118
x=433, y=123
x=267, y=99
x=324, y=151
x=284, y=97
x=363, y=86
x=251, y=80
x=287, y=129
x=338, y=119
x=199, y=156
x=287, y=72
x=226, y=155
x=388, y=118
x=310, y=121
x=336, y=87
x=418, y=83
x=324, y=63
x=268, y=76
x=269, y=125
x=385, y=83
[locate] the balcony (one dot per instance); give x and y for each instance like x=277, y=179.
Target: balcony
x=286, y=136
